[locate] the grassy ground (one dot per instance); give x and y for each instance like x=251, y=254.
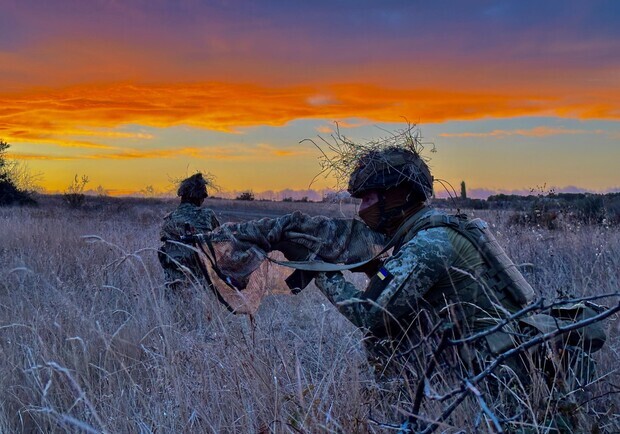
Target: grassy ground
x=88, y=342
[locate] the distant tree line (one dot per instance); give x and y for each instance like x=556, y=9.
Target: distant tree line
x=547, y=209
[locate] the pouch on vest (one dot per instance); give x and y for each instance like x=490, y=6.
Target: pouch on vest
x=591, y=337
x=502, y=340
x=543, y=323
x=503, y=275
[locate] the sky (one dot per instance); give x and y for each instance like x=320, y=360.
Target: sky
x=515, y=95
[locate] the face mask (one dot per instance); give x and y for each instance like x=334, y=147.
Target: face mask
x=371, y=216
x=399, y=215
x=396, y=209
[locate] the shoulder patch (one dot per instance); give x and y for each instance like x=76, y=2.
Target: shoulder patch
x=377, y=284
x=384, y=275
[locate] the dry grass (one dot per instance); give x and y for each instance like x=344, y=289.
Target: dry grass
x=89, y=344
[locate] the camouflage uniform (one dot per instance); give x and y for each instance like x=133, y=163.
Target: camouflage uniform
x=186, y=285
x=434, y=271
x=436, y=276
x=177, y=261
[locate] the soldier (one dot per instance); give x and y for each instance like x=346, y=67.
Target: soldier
x=444, y=308
x=447, y=278
x=181, y=266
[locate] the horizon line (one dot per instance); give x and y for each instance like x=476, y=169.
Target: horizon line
x=319, y=195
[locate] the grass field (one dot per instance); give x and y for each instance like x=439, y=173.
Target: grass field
x=88, y=342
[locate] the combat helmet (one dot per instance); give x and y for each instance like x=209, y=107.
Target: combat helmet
x=389, y=168
x=193, y=188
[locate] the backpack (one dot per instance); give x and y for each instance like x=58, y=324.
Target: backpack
x=503, y=276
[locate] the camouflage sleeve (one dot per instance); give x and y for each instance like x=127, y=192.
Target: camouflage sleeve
x=406, y=278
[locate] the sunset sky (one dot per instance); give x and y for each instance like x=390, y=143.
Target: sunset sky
x=514, y=94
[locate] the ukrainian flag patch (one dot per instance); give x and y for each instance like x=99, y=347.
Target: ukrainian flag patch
x=384, y=274
x=378, y=283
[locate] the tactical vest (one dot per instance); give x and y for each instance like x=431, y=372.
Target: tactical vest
x=501, y=275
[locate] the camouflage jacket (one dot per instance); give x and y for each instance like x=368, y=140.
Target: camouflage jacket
x=241, y=247
x=433, y=271
x=184, y=220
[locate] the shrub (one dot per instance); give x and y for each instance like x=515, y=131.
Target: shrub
x=9, y=192
x=589, y=209
x=101, y=191
x=246, y=195
x=612, y=208
x=74, y=195
x=148, y=191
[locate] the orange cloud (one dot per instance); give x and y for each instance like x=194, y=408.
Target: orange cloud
x=533, y=132
x=21, y=156
x=109, y=134
x=58, y=116
x=33, y=137
x=231, y=152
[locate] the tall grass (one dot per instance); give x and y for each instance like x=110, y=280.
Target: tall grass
x=89, y=342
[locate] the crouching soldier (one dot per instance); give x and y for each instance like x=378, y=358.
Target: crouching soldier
x=446, y=281
x=184, y=277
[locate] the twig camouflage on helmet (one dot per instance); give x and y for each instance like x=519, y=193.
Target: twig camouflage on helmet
x=382, y=163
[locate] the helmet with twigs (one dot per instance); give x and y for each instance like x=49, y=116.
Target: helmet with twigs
x=391, y=167
x=193, y=188
x=379, y=164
